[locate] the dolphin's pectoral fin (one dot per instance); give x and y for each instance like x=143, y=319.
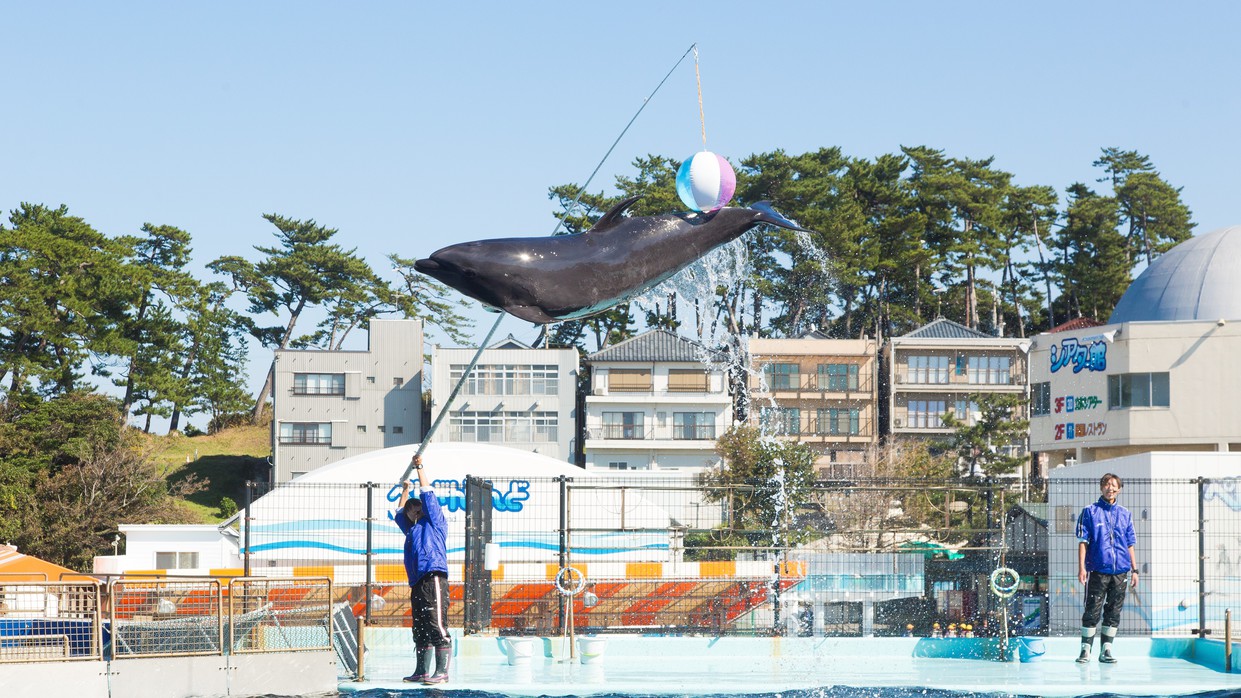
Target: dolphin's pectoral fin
x=611, y=218
x=530, y=313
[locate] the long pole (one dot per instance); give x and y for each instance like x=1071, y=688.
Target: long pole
x=426, y=439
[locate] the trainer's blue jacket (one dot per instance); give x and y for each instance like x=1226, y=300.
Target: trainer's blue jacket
x=425, y=541
x=1107, y=531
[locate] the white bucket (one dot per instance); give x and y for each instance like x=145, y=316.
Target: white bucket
x=519, y=650
x=590, y=649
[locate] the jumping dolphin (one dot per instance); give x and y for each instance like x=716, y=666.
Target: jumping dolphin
x=569, y=277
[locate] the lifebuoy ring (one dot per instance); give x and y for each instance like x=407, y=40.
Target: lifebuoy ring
x=1007, y=588
x=570, y=581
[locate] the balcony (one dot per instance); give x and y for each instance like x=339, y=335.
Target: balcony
x=698, y=432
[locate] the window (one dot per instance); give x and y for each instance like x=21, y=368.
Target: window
x=502, y=427
x=508, y=379
x=781, y=420
x=629, y=380
x=781, y=376
x=926, y=414
x=318, y=384
x=176, y=561
x=838, y=377
x=990, y=370
x=839, y=421
x=618, y=465
x=693, y=425
x=623, y=425
x=966, y=410
x=927, y=369
x=687, y=380
x=306, y=433
x=1040, y=399
x=398, y=382
x=361, y=428
x=1137, y=390
x=398, y=430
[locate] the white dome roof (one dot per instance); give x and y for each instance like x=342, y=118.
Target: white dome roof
x=1199, y=279
x=443, y=460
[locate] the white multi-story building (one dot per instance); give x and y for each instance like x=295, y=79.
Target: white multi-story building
x=940, y=367
x=329, y=405
x=1162, y=375
x=819, y=392
x=657, y=402
x=515, y=396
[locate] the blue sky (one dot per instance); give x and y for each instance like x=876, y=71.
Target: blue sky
x=411, y=125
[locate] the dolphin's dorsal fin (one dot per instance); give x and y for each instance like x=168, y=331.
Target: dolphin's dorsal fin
x=611, y=218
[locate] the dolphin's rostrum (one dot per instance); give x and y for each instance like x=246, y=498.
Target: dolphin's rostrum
x=569, y=277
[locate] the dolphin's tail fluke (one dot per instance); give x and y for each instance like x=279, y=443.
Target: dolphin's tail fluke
x=767, y=214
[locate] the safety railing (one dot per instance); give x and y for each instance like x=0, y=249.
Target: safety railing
x=49, y=621
x=279, y=615
x=165, y=617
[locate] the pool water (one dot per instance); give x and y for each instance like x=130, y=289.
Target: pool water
x=800, y=668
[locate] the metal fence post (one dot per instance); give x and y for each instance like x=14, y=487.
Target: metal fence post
x=1202, y=559
x=564, y=541
x=370, y=549
x=249, y=498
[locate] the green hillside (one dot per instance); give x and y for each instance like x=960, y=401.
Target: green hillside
x=224, y=461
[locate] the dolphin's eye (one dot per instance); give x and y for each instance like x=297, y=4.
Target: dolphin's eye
x=470, y=273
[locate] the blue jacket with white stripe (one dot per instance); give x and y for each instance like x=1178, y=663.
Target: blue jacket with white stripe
x=426, y=541
x=1107, y=531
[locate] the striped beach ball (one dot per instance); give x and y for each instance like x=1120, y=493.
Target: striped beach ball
x=706, y=182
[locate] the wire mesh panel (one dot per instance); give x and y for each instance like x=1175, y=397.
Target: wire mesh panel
x=49, y=621
x=705, y=554
x=1221, y=538
x=162, y=617
x=280, y=614
x=1166, y=521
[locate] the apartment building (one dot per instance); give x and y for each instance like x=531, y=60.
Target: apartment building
x=938, y=367
x=515, y=396
x=329, y=405
x=657, y=402
x=820, y=392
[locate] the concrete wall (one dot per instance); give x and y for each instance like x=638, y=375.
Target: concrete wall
x=286, y=674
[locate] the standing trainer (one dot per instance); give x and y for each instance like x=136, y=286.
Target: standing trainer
x=426, y=564
x=1105, y=562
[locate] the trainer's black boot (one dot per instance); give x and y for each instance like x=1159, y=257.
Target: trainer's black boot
x=424, y=666
x=443, y=655
x=1087, y=643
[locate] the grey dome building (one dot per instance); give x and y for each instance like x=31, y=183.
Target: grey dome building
x=1199, y=279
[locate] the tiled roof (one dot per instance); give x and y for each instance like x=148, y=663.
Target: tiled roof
x=943, y=328
x=1079, y=323
x=509, y=342
x=656, y=345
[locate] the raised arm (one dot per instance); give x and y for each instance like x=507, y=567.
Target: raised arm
x=424, y=480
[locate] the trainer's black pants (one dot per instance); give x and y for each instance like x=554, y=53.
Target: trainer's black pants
x=1105, y=595
x=428, y=602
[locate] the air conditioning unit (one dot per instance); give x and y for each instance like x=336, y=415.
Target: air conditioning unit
x=899, y=378
x=1019, y=379
x=898, y=422
x=598, y=391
